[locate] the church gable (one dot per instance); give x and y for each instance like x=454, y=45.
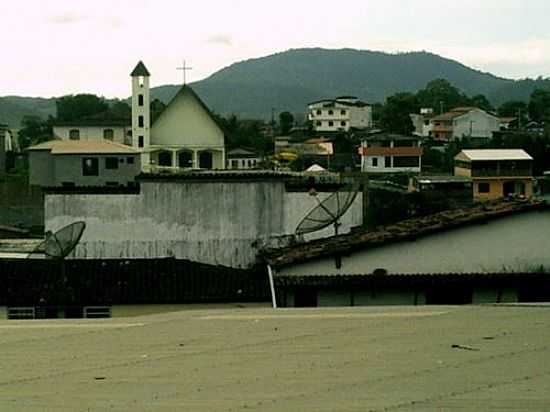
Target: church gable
x=186, y=121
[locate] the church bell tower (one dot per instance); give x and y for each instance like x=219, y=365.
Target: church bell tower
x=141, y=111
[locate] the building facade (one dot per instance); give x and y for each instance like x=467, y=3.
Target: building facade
x=390, y=153
x=461, y=122
x=496, y=173
x=340, y=114
x=83, y=163
x=242, y=158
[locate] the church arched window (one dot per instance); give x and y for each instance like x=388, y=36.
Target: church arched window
x=206, y=160
x=108, y=134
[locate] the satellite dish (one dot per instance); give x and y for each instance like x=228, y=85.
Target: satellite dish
x=329, y=211
x=60, y=244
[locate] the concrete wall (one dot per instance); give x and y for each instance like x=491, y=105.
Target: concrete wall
x=21, y=205
x=41, y=168
x=223, y=223
x=514, y=244
x=91, y=132
x=476, y=123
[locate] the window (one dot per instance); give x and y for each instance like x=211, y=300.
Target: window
x=319, y=123
x=108, y=134
x=185, y=159
x=111, y=163
x=318, y=112
x=343, y=112
x=374, y=162
x=406, y=161
x=331, y=123
x=140, y=100
x=90, y=166
x=140, y=121
x=330, y=112
x=483, y=187
x=205, y=160
x=140, y=141
x=343, y=124
x=130, y=160
x=387, y=161
x=74, y=134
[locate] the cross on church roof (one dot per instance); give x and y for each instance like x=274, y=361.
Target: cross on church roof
x=184, y=68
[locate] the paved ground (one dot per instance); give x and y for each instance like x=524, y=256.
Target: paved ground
x=353, y=359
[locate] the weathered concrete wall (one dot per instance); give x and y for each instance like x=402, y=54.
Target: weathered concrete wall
x=223, y=223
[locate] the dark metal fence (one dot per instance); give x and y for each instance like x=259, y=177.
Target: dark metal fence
x=106, y=282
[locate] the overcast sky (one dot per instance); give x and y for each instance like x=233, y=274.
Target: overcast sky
x=56, y=47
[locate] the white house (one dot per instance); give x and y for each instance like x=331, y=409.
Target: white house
x=340, y=114
x=242, y=158
x=463, y=122
x=390, y=153
x=94, y=128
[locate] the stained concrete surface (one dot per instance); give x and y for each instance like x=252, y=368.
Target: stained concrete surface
x=474, y=358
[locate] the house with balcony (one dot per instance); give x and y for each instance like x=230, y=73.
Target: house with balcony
x=340, y=114
x=390, y=153
x=462, y=122
x=496, y=173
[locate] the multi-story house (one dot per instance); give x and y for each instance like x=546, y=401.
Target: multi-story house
x=390, y=153
x=463, y=122
x=497, y=173
x=340, y=114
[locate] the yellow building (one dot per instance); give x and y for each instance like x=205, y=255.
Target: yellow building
x=497, y=173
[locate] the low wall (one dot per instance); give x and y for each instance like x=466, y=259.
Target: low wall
x=214, y=222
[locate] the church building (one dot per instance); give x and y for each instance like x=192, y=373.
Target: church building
x=185, y=135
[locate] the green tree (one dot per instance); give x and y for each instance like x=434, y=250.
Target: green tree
x=286, y=121
x=481, y=102
x=73, y=107
x=441, y=96
x=120, y=110
x=395, y=115
x=34, y=130
x=539, y=105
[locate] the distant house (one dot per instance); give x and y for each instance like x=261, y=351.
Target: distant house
x=390, y=153
x=421, y=122
x=496, y=173
x=83, y=163
x=7, y=148
x=451, y=191
x=99, y=127
x=461, y=122
x=340, y=114
x=243, y=158
x=445, y=258
x=507, y=123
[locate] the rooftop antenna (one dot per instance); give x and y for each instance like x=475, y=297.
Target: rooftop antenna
x=329, y=211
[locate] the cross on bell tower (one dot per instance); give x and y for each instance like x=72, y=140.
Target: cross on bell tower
x=184, y=68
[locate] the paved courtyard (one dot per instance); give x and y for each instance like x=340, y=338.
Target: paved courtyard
x=474, y=358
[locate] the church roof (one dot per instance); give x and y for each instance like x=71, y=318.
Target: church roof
x=186, y=89
x=140, y=70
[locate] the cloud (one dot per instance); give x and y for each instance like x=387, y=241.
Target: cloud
x=66, y=18
x=222, y=39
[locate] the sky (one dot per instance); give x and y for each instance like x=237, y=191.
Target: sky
x=56, y=47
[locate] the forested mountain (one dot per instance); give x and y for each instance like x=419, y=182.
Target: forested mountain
x=291, y=79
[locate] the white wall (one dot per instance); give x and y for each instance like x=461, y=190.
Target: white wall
x=223, y=223
x=91, y=132
x=475, y=123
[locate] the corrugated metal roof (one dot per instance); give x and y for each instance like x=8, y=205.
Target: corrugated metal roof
x=64, y=147
x=496, y=154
